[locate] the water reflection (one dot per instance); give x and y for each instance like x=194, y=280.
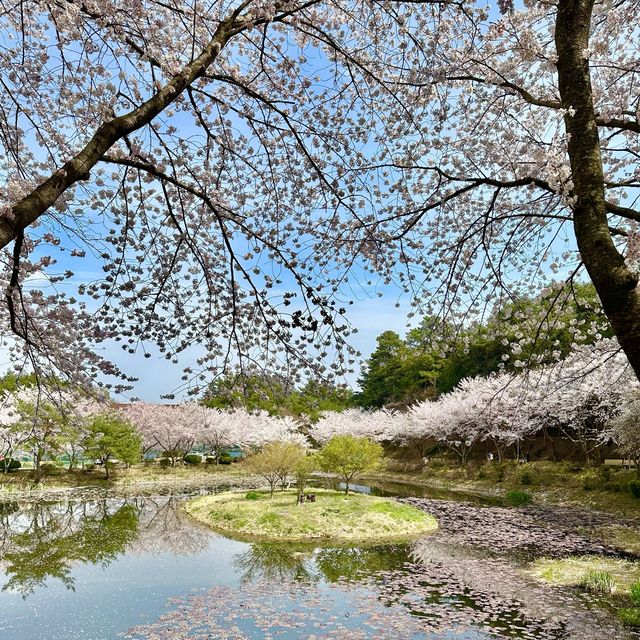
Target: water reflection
x=50, y=540
x=175, y=574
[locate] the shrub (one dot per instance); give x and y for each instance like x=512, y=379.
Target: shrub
x=10, y=465
x=210, y=460
x=518, y=498
x=634, y=487
x=634, y=592
x=225, y=459
x=629, y=616
x=590, y=481
x=604, y=472
x=50, y=467
x=599, y=582
x=89, y=467
x=526, y=478
x=193, y=459
x=165, y=462
x=252, y=495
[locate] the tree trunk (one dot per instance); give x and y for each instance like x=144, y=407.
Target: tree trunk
x=614, y=282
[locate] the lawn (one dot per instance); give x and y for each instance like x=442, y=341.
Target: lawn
x=334, y=517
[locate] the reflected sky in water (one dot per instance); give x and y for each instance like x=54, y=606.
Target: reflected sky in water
x=141, y=568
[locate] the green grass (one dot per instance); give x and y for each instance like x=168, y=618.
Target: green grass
x=629, y=616
x=518, y=498
x=334, y=517
x=575, y=571
x=566, y=483
x=598, y=582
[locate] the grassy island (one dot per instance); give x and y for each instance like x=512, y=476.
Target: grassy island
x=334, y=517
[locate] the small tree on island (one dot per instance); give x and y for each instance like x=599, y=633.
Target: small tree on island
x=110, y=436
x=302, y=472
x=275, y=462
x=348, y=456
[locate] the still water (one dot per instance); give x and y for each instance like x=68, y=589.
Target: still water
x=140, y=568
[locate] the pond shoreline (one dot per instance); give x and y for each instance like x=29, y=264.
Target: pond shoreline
x=138, y=487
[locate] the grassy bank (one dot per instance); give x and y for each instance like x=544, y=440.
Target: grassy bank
x=561, y=483
x=614, y=582
x=334, y=517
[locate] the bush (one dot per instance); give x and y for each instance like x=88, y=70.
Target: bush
x=604, y=472
x=518, y=498
x=598, y=582
x=252, y=495
x=629, y=616
x=634, y=487
x=634, y=592
x=590, y=481
x=165, y=462
x=210, y=460
x=50, y=467
x=193, y=459
x=10, y=465
x=225, y=459
x=526, y=478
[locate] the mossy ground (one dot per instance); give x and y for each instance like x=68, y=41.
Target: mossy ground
x=334, y=517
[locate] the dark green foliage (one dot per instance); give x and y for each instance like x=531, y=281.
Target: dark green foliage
x=193, y=459
x=276, y=395
x=629, y=616
x=252, y=495
x=634, y=487
x=634, y=592
x=165, y=462
x=526, y=478
x=10, y=465
x=110, y=436
x=434, y=357
x=225, y=459
x=591, y=481
x=518, y=498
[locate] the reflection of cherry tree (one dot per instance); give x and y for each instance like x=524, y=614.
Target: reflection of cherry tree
x=164, y=527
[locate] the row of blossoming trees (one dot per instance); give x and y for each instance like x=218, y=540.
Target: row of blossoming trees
x=590, y=399
x=46, y=423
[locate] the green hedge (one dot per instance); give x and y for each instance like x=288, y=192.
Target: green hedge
x=11, y=465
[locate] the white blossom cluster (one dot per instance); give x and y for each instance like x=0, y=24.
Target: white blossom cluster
x=578, y=396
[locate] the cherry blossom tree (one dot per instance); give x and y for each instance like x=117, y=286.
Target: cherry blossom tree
x=375, y=425
x=582, y=394
x=12, y=431
x=171, y=429
x=464, y=152
x=214, y=161
x=624, y=429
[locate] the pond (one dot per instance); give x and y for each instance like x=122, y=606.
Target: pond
x=140, y=568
